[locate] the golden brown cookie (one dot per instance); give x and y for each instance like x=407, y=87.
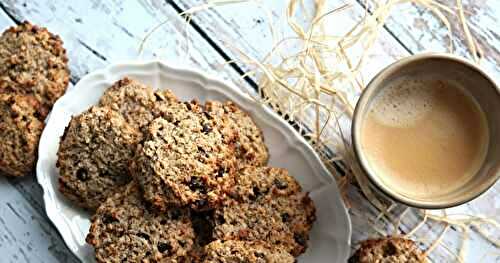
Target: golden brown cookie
x=245, y=252
x=250, y=146
x=136, y=101
x=20, y=130
x=184, y=160
x=33, y=62
x=94, y=155
x=388, y=250
x=126, y=229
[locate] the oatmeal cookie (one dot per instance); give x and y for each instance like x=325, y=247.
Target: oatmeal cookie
x=254, y=182
x=135, y=101
x=20, y=131
x=185, y=160
x=126, y=229
x=281, y=221
x=250, y=146
x=33, y=61
x=388, y=250
x=93, y=156
x=244, y=252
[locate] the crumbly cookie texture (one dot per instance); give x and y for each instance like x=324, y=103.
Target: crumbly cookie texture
x=20, y=131
x=250, y=146
x=388, y=250
x=244, y=252
x=266, y=205
x=126, y=229
x=93, y=156
x=283, y=221
x=254, y=182
x=184, y=160
x=136, y=101
x=33, y=61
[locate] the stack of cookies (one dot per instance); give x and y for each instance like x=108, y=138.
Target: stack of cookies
x=33, y=75
x=174, y=181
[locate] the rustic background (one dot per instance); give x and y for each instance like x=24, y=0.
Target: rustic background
x=97, y=33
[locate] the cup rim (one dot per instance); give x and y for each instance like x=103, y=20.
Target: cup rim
x=365, y=97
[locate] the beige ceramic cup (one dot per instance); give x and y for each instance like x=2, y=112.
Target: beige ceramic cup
x=479, y=85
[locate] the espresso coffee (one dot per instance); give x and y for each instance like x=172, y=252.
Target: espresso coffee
x=424, y=137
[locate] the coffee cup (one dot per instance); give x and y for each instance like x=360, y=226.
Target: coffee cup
x=426, y=131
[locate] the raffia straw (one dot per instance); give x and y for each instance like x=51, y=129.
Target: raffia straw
x=314, y=78
x=437, y=241
x=418, y=226
x=399, y=219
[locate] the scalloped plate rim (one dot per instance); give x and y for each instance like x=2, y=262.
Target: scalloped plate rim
x=216, y=84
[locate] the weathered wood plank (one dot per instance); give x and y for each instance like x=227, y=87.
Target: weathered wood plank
x=26, y=235
x=420, y=31
x=245, y=27
x=105, y=24
x=112, y=31
x=90, y=50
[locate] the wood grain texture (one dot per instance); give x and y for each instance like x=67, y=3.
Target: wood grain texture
x=92, y=39
x=97, y=32
x=420, y=31
x=100, y=32
x=244, y=27
x=26, y=235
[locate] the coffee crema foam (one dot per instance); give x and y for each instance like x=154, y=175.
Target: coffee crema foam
x=424, y=137
x=403, y=103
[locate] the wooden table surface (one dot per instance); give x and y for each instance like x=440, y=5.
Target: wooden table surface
x=97, y=33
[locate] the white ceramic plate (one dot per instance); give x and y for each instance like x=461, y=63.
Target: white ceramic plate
x=330, y=237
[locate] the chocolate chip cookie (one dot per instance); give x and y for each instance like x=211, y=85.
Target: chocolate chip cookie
x=126, y=229
x=250, y=146
x=281, y=221
x=388, y=250
x=20, y=130
x=244, y=252
x=136, y=101
x=266, y=204
x=33, y=62
x=254, y=182
x=93, y=156
x=185, y=160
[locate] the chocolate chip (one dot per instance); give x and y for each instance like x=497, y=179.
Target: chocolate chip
x=188, y=105
x=182, y=243
x=220, y=172
x=200, y=203
x=175, y=214
x=109, y=219
x=162, y=247
x=256, y=193
x=158, y=97
x=300, y=239
x=207, y=115
x=14, y=114
x=176, y=123
x=202, y=151
x=163, y=221
x=285, y=217
x=280, y=184
x=219, y=219
x=143, y=235
x=82, y=174
x=390, y=249
x=206, y=128
x=197, y=184
x=260, y=255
